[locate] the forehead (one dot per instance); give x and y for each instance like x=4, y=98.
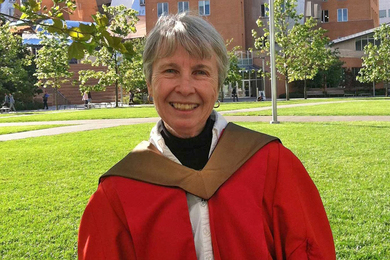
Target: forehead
x=181, y=55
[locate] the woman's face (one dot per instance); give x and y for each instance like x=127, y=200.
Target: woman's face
x=184, y=90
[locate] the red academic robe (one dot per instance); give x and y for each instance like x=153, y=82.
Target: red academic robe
x=268, y=209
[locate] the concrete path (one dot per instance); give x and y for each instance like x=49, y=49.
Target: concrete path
x=84, y=125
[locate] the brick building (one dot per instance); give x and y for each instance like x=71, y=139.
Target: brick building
x=346, y=17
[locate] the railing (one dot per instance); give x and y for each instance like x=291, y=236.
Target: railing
x=62, y=101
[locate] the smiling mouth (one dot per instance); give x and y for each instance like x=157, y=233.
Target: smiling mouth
x=184, y=107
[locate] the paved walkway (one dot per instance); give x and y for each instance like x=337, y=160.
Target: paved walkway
x=84, y=125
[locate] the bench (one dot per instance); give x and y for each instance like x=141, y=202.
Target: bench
x=315, y=92
x=5, y=109
x=335, y=92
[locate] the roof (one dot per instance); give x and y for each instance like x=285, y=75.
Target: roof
x=355, y=35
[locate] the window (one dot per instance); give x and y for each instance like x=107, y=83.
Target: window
x=162, y=9
x=361, y=42
x=11, y=11
x=325, y=16
x=182, y=7
x=141, y=2
x=382, y=13
x=204, y=7
x=389, y=13
x=264, y=10
x=342, y=15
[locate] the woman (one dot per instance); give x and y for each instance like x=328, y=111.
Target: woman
x=85, y=99
x=201, y=188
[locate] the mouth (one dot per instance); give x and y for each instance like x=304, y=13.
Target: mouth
x=183, y=107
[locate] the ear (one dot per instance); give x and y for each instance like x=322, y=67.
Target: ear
x=150, y=89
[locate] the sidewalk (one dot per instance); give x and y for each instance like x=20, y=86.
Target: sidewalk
x=85, y=125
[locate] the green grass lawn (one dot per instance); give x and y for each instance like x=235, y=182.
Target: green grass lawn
x=46, y=182
x=149, y=111
x=103, y=113
x=18, y=129
x=372, y=107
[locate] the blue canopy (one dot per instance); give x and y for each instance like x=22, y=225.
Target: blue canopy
x=33, y=39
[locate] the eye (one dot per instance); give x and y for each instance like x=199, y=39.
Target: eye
x=200, y=72
x=170, y=71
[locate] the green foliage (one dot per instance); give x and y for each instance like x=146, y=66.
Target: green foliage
x=131, y=71
x=302, y=47
x=120, y=21
x=16, y=67
x=310, y=52
x=234, y=74
x=332, y=76
x=106, y=31
x=52, y=62
x=376, y=62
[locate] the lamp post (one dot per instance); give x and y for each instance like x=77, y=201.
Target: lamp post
x=272, y=57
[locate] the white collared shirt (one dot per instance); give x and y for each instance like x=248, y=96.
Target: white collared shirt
x=198, y=207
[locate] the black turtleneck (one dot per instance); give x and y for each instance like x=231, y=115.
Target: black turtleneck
x=192, y=152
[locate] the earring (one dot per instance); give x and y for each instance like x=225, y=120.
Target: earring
x=218, y=104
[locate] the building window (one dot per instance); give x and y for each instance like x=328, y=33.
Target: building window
x=389, y=13
x=264, y=11
x=325, y=16
x=141, y=2
x=11, y=11
x=162, y=9
x=361, y=42
x=382, y=13
x=182, y=7
x=342, y=15
x=204, y=7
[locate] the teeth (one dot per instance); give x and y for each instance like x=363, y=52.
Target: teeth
x=181, y=106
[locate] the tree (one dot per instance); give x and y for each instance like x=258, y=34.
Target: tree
x=376, y=61
x=52, y=62
x=285, y=18
x=120, y=21
x=16, y=67
x=234, y=75
x=310, y=53
x=86, y=37
x=132, y=75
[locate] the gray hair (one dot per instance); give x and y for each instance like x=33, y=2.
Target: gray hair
x=195, y=35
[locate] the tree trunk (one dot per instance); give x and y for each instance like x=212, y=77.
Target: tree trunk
x=55, y=97
x=387, y=89
x=116, y=82
x=116, y=93
x=287, y=90
x=304, y=89
x=373, y=89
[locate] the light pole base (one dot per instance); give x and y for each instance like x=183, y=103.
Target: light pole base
x=274, y=122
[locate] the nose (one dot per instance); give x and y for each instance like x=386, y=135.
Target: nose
x=185, y=85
